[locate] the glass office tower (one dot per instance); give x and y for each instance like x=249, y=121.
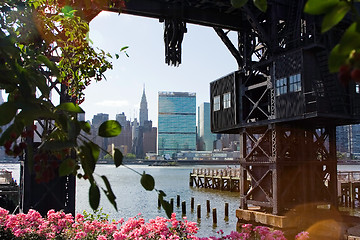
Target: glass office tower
x=176, y=123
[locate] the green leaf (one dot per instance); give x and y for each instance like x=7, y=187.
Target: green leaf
x=51, y=65
x=70, y=107
x=350, y=39
x=336, y=59
x=110, y=128
x=261, y=4
x=238, y=3
x=7, y=112
x=94, y=150
x=94, y=196
x=85, y=126
x=117, y=56
x=147, y=181
x=317, y=7
x=108, y=192
x=89, y=154
x=68, y=11
x=41, y=84
x=67, y=167
x=73, y=129
x=124, y=48
x=334, y=16
x=118, y=157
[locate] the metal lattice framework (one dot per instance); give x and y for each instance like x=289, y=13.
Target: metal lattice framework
x=288, y=166
x=287, y=133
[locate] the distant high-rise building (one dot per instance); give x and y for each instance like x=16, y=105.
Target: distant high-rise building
x=143, y=113
x=176, y=122
x=348, y=140
x=99, y=118
x=149, y=141
x=206, y=137
x=124, y=140
x=135, y=134
x=121, y=118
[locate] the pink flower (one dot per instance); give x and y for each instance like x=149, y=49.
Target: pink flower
x=80, y=235
x=302, y=236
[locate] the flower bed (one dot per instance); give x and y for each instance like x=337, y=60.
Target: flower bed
x=58, y=226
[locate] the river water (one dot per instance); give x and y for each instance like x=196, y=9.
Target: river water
x=132, y=199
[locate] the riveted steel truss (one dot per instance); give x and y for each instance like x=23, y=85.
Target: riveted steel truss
x=287, y=166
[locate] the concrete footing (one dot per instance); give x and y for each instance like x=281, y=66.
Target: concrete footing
x=320, y=223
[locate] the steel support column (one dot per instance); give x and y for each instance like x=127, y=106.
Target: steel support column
x=288, y=166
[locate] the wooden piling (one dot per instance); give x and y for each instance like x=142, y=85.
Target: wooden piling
x=351, y=193
x=183, y=208
x=177, y=200
x=226, y=210
x=191, y=181
x=214, y=216
x=199, y=211
x=172, y=204
x=192, y=204
x=207, y=206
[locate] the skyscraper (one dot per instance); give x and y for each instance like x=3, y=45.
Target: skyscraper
x=124, y=140
x=206, y=137
x=176, y=122
x=348, y=140
x=121, y=118
x=143, y=113
x=97, y=120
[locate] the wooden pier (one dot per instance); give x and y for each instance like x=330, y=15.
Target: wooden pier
x=222, y=179
x=228, y=179
x=349, y=188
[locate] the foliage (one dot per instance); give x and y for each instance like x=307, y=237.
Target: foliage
x=44, y=43
x=130, y=156
x=345, y=56
x=97, y=214
x=58, y=225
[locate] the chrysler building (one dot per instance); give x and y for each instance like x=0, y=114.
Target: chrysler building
x=143, y=114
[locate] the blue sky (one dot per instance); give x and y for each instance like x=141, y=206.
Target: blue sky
x=204, y=59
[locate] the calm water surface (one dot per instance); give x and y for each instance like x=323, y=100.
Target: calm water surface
x=132, y=199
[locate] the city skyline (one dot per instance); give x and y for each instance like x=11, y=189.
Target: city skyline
x=205, y=58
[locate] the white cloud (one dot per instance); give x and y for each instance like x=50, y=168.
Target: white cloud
x=113, y=103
